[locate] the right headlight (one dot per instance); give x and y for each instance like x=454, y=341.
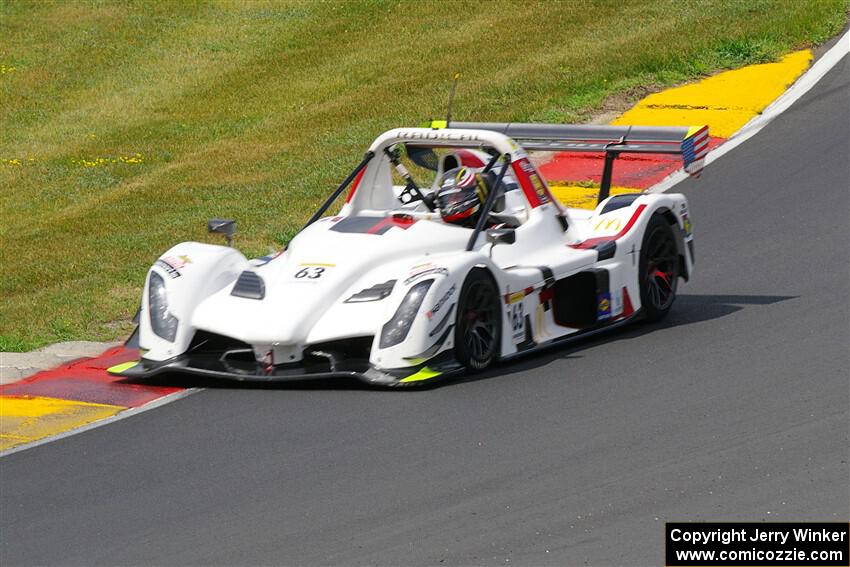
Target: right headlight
x=396, y=329
x=164, y=324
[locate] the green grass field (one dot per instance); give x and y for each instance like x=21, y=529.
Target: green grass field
x=125, y=125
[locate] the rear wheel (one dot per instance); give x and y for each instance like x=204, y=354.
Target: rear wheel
x=659, y=269
x=478, y=328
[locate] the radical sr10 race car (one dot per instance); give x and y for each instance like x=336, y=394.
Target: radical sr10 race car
x=387, y=292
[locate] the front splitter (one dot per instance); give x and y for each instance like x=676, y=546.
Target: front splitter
x=216, y=367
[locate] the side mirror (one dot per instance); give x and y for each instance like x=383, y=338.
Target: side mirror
x=501, y=236
x=227, y=227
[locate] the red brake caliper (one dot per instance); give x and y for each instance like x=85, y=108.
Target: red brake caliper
x=665, y=277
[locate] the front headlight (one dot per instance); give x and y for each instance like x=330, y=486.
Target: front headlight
x=396, y=329
x=164, y=324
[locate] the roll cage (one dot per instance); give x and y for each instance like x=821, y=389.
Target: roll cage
x=507, y=142
x=371, y=179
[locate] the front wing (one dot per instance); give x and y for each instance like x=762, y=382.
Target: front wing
x=220, y=367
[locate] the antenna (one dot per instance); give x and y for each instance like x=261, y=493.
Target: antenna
x=455, y=77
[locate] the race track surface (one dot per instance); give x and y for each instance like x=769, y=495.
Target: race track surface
x=735, y=408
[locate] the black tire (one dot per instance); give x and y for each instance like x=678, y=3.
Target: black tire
x=478, y=322
x=658, y=270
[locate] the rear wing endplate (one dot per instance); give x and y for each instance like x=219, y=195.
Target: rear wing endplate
x=689, y=142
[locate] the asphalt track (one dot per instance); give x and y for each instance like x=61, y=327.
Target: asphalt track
x=735, y=408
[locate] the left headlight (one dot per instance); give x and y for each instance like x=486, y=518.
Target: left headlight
x=396, y=329
x=164, y=324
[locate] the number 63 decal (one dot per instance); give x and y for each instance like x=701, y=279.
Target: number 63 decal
x=312, y=272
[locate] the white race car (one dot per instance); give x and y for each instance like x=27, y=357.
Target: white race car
x=387, y=292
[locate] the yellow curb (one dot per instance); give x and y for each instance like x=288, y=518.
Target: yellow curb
x=725, y=101
x=28, y=418
x=578, y=197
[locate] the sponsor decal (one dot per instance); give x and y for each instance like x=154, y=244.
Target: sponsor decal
x=616, y=302
x=539, y=187
x=518, y=295
x=173, y=264
x=309, y=272
x=514, y=297
x=529, y=342
x=437, y=135
x=177, y=262
x=443, y=322
x=603, y=306
x=517, y=314
x=686, y=224
x=595, y=241
x=172, y=272
x=536, y=182
x=423, y=270
x=532, y=186
x=608, y=225
x=441, y=302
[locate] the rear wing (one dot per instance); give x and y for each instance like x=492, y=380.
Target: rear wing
x=690, y=142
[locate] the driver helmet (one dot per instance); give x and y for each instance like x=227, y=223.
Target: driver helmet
x=461, y=195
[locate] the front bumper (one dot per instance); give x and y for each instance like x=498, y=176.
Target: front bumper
x=218, y=366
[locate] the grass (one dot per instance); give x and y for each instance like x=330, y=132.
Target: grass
x=125, y=125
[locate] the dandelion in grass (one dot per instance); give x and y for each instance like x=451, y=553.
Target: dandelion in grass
x=137, y=158
x=134, y=159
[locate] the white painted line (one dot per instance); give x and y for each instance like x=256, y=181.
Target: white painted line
x=105, y=421
x=800, y=87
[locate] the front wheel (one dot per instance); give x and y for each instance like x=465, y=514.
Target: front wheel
x=658, y=269
x=478, y=328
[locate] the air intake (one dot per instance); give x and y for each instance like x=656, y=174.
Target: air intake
x=249, y=285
